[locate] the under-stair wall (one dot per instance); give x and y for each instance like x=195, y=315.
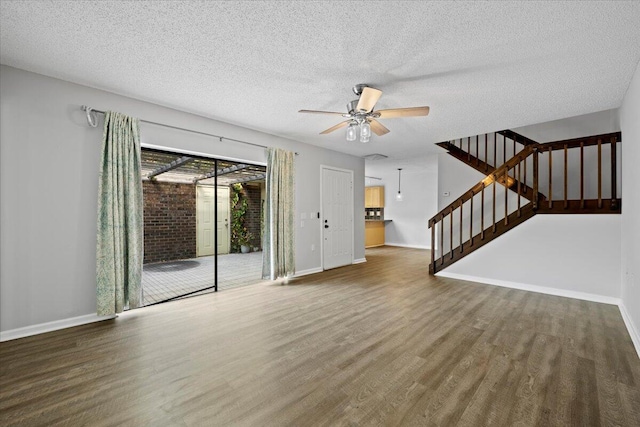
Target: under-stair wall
x=569, y=255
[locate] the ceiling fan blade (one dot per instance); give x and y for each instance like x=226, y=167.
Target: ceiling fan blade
x=403, y=112
x=320, y=112
x=336, y=127
x=378, y=128
x=368, y=99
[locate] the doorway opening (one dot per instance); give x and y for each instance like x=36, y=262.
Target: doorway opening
x=202, y=224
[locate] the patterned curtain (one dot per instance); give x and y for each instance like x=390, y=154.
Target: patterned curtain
x=278, y=239
x=119, y=250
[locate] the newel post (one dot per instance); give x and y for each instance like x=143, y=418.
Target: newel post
x=614, y=186
x=432, y=267
x=535, y=178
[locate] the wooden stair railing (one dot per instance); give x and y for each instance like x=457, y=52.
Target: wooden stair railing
x=498, y=210
x=487, y=151
x=463, y=150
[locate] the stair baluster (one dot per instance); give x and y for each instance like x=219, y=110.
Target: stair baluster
x=512, y=175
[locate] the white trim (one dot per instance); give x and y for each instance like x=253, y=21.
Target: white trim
x=308, y=271
x=402, y=245
x=633, y=332
x=534, y=288
x=359, y=261
x=41, y=328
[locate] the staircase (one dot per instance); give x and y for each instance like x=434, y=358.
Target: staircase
x=523, y=178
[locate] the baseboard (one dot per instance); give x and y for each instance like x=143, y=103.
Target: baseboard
x=633, y=332
x=320, y=270
x=402, y=245
x=41, y=328
x=534, y=288
x=308, y=271
x=55, y=325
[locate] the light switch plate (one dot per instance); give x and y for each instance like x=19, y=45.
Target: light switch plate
x=303, y=215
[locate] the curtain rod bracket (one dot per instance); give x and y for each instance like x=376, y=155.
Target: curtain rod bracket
x=91, y=116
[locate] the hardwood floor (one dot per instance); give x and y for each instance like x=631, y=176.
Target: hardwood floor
x=369, y=344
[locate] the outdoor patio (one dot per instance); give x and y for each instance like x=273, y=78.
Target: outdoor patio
x=161, y=281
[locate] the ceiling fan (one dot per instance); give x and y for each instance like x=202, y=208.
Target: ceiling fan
x=361, y=115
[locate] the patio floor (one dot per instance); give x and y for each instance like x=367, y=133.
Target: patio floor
x=161, y=281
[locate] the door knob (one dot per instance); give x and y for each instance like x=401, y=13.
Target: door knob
x=326, y=226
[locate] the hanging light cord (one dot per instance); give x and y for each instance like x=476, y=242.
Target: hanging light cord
x=399, y=171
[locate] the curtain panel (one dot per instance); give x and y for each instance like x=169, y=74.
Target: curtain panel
x=278, y=237
x=120, y=220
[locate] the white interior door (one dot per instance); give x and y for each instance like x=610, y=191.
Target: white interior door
x=337, y=217
x=205, y=215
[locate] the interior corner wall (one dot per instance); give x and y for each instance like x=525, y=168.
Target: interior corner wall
x=563, y=254
x=409, y=226
x=49, y=165
x=630, y=253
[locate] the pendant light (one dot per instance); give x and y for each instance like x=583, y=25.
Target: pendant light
x=399, y=195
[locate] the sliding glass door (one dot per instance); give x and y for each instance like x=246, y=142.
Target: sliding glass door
x=200, y=216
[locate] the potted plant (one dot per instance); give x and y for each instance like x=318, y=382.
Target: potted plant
x=244, y=239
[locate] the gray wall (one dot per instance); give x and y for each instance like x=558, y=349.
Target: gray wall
x=48, y=189
x=630, y=125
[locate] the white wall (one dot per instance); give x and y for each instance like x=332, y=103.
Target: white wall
x=575, y=253
x=454, y=178
x=630, y=256
x=572, y=127
x=547, y=239
x=410, y=217
x=48, y=189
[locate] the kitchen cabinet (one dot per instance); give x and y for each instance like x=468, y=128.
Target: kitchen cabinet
x=373, y=234
x=374, y=197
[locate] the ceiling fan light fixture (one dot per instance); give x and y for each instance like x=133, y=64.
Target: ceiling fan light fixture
x=352, y=132
x=365, y=131
x=360, y=114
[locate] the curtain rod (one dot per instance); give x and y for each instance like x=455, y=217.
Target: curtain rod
x=93, y=123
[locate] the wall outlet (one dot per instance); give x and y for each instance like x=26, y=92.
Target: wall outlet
x=301, y=224
x=303, y=215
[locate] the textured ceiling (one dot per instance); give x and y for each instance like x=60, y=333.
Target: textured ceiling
x=479, y=66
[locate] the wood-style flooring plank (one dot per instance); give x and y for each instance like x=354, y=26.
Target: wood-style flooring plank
x=378, y=343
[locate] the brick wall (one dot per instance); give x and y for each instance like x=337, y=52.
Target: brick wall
x=254, y=212
x=169, y=221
